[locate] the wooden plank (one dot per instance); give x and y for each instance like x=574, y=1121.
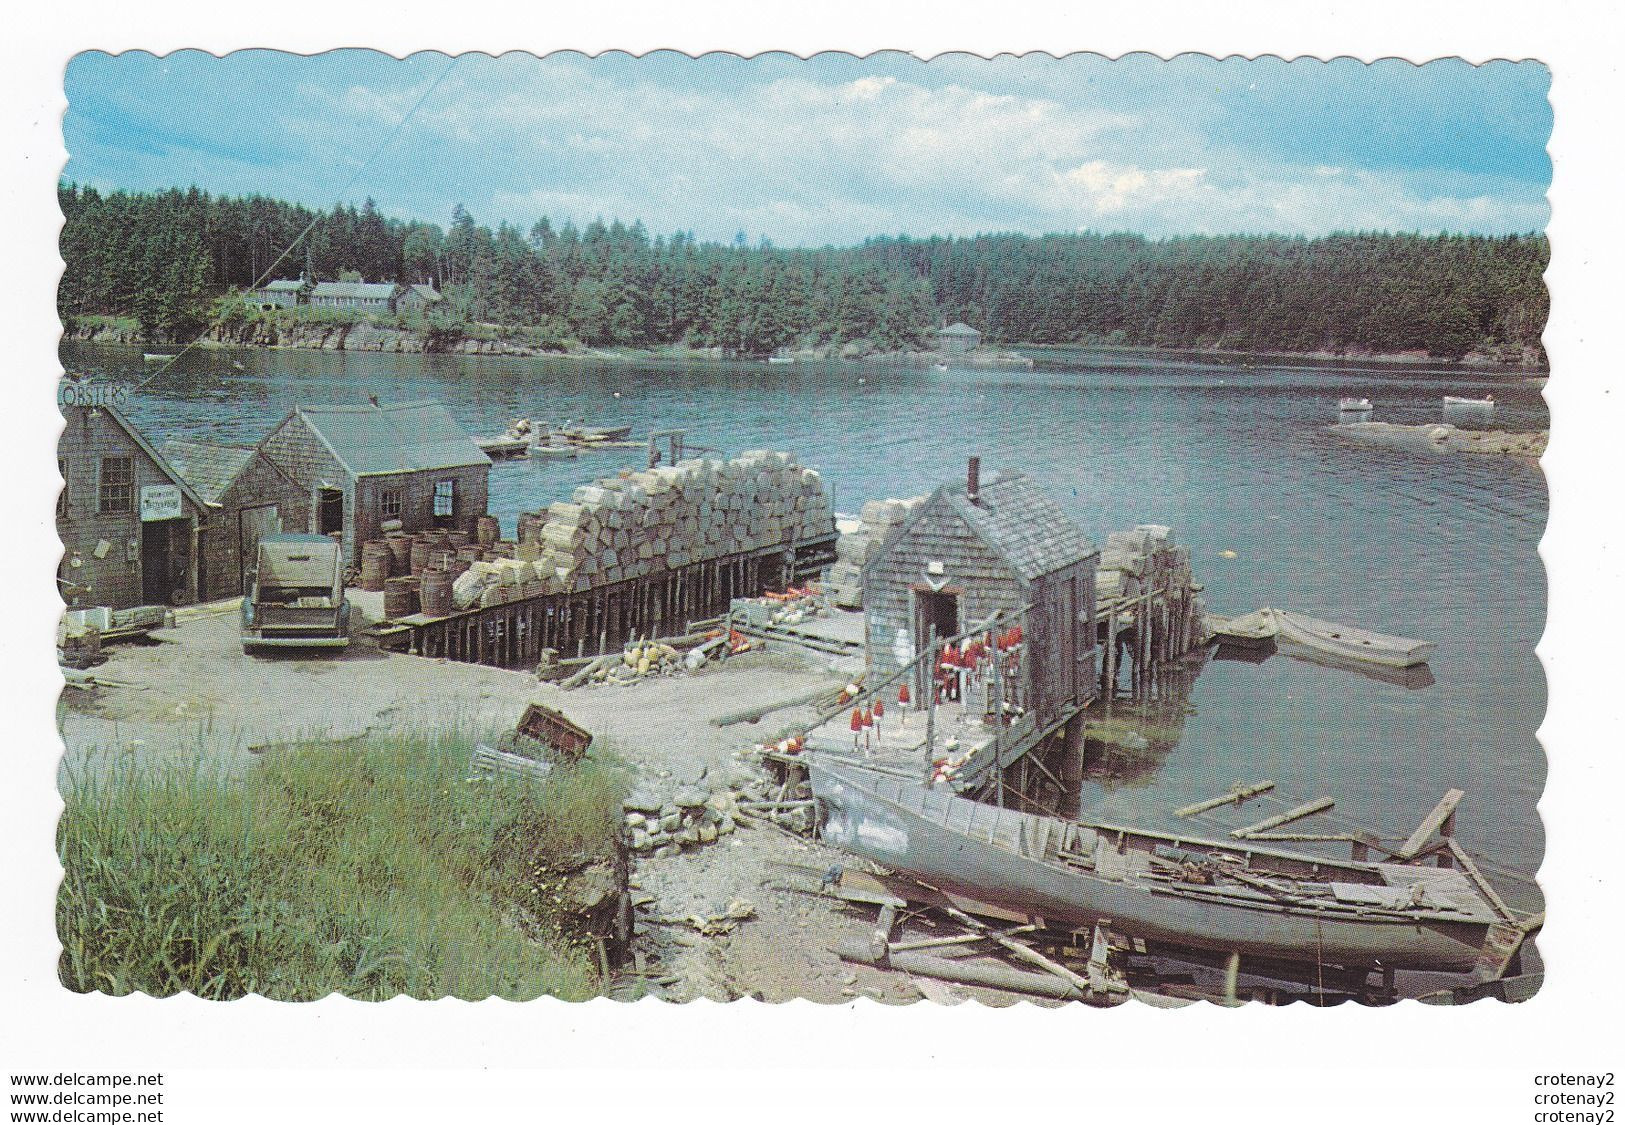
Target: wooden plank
x=1431, y=823
x=1308, y=808
x=1238, y=793
x=1472, y=872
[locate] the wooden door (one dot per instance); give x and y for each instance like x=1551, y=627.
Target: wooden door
x=253, y=524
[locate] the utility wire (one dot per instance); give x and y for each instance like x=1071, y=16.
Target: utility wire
x=310, y=226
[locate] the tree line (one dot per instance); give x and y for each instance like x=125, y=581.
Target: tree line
x=164, y=257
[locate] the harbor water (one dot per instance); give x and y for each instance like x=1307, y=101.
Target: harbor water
x=1235, y=455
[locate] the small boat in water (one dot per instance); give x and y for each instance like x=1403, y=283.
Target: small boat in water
x=939, y=367
x=1251, y=630
x=154, y=357
x=1354, y=406
x=781, y=359
x=1346, y=643
x=1485, y=403
x=1236, y=897
x=588, y=435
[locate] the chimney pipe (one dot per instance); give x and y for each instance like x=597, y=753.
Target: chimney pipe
x=973, y=480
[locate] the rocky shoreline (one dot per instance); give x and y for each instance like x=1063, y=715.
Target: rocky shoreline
x=1440, y=438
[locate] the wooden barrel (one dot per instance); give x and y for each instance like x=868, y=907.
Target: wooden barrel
x=506, y=549
x=400, y=548
x=400, y=597
x=435, y=593
x=440, y=558
x=487, y=530
x=458, y=538
x=377, y=561
x=420, y=553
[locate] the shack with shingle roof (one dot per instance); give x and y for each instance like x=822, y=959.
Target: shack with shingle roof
x=366, y=466
x=957, y=339
x=247, y=498
x=975, y=547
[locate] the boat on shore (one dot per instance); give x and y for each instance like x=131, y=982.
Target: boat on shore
x=1354, y=406
x=1485, y=403
x=1251, y=630
x=1345, y=642
x=1237, y=897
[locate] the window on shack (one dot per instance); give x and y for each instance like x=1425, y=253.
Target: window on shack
x=117, y=485
x=445, y=498
x=389, y=504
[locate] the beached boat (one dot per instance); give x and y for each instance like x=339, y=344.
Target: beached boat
x=1346, y=643
x=1236, y=897
x=1353, y=405
x=1251, y=630
x=1485, y=403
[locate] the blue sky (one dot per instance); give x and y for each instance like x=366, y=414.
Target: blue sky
x=838, y=148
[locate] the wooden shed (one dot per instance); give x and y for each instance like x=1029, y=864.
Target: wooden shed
x=129, y=523
x=248, y=497
x=975, y=547
x=363, y=466
x=958, y=338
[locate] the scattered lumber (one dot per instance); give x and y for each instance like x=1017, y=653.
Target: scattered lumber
x=1238, y=793
x=1299, y=812
x=1431, y=823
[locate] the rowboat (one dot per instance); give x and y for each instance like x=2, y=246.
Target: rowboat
x=1485, y=403
x=1234, y=897
x=590, y=434
x=939, y=367
x=1346, y=643
x=154, y=357
x=1353, y=405
x=781, y=359
x=1251, y=630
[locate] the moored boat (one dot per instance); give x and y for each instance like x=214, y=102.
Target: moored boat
x=1347, y=643
x=1485, y=403
x=1202, y=894
x=1353, y=405
x=1251, y=630
x=591, y=434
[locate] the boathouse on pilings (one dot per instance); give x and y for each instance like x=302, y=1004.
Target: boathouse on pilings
x=129, y=523
x=247, y=498
x=361, y=467
x=975, y=547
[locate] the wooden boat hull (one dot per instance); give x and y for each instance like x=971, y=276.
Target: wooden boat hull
x=1470, y=403
x=894, y=823
x=1251, y=630
x=1357, y=645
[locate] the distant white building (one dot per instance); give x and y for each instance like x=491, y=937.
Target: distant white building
x=374, y=297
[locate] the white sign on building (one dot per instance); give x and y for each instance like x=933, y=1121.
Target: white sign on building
x=160, y=502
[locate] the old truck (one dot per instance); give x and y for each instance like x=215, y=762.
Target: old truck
x=296, y=595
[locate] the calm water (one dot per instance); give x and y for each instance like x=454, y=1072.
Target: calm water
x=1232, y=456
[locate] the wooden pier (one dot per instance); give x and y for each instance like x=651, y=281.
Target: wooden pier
x=600, y=619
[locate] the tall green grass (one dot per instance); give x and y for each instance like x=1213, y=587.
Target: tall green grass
x=371, y=871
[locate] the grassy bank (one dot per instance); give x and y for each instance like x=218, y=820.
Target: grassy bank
x=373, y=872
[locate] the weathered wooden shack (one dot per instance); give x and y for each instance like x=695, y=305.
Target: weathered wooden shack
x=247, y=496
x=958, y=338
x=129, y=523
x=976, y=547
x=364, y=466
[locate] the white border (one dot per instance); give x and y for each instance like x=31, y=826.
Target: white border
x=342, y=1060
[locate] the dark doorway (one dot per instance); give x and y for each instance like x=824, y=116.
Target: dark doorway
x=933, y=609
x=160, y=576
x=329, y=511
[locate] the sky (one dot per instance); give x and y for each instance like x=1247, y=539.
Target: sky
x=834, y=149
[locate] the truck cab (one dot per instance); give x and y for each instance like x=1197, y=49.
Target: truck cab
x=296, y=595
